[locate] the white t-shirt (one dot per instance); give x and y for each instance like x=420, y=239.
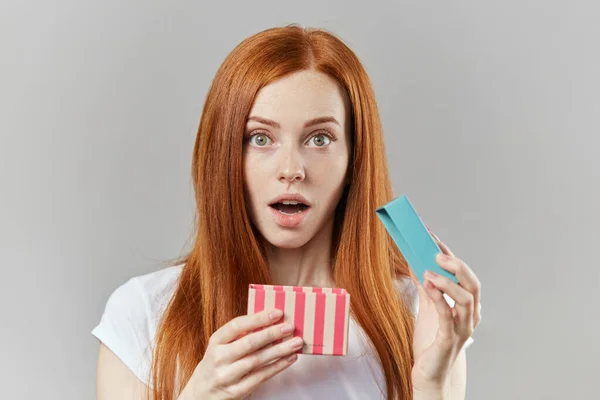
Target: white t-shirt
x=133, y=310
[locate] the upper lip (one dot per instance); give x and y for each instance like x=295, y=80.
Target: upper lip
x=290, y=197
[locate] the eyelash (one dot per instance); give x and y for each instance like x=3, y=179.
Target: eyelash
x=330, y=135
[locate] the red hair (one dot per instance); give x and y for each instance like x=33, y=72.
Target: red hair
x=227, y=254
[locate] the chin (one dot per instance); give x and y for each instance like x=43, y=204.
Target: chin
x=287, y=240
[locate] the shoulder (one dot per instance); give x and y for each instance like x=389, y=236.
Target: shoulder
x=131, y=315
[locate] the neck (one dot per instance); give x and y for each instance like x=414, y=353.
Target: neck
x=309, y=265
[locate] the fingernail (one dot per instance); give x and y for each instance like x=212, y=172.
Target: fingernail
x=287, y=328
x=430, y=274
x=276, y=314
x=296, y=343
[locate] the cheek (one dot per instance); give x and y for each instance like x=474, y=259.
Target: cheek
x=251, y=177
x=329, y=169
x=256, y=176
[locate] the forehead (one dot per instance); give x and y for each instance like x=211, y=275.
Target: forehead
x=302, y=96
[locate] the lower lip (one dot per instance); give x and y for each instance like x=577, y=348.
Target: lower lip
x=289, y=220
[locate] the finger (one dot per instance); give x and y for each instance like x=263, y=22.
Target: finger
x=445, y=249
x=474, y=289
x=255, y=378
x=263, y=357
x=445, y=319
x=246, y=323
x=458, y=267
x=463, y=302
x=477, y=316
x=256, y=341
x=466, y=278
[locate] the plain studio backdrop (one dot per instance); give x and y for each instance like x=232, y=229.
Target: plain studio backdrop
x=491, y=113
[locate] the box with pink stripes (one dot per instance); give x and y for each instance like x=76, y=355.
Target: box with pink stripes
x=320, y=315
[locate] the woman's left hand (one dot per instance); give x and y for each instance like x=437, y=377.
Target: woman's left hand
x=440, y=330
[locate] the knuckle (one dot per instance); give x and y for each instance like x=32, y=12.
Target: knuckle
x=469, y=300
x=218, y=358
x=235, y=324
x=234, y=394
x=217, y=381
x=265, y=376
x=252, y=362
x=247, y=344
x=469, y=332
x=220, y=377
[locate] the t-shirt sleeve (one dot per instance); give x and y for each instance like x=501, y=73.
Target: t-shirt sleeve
x=410, y=295
x=124, y=328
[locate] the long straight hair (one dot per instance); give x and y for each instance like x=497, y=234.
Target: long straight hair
x=228, y=254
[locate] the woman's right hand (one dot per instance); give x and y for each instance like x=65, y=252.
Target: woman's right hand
x=237, y=360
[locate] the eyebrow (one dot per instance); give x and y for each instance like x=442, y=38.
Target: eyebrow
x=314, y=121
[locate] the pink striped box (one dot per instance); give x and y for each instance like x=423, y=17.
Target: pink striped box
x=320, y=315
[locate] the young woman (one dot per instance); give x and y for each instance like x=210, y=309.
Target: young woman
x=288, y=168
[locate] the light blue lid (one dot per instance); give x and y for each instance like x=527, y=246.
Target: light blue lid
x=412, y=237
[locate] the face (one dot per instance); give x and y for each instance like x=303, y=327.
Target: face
x=296, y=152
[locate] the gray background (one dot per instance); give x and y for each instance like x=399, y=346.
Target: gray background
x=492, y=119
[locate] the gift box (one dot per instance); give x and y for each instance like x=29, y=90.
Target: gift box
x=320, y=315
x=412, y=237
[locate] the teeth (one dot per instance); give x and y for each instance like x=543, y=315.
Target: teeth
x=290, y=203
x=297, y=212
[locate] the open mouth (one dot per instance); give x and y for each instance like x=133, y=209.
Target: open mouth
x=289, y=207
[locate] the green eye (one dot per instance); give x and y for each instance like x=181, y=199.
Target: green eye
x=260, y=139
x=321, y=140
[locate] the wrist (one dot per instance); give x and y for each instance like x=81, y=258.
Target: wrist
x=427, y=389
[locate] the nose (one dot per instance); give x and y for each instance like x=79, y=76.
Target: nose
x=291, y=168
